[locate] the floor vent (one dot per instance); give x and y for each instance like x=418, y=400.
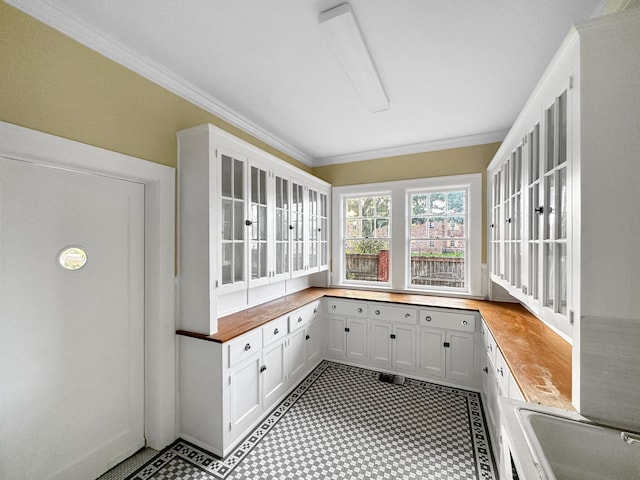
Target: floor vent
x=390, y=378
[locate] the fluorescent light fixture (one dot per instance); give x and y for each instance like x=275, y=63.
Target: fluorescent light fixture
x=341, y=30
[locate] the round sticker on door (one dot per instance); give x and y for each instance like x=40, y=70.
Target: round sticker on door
x=72, y=258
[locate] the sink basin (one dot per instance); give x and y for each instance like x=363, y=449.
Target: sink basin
x=566, y=449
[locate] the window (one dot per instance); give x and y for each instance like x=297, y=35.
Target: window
x=366, y=243
x=415, y=235
x=437, y=240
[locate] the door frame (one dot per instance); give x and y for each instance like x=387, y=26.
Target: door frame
x=28, y=145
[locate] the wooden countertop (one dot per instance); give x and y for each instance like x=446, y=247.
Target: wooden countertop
x=539, y=359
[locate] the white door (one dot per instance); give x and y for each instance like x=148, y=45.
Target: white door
x=71, y=342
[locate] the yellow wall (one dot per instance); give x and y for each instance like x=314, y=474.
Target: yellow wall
x=51, y=83
x=455, y=161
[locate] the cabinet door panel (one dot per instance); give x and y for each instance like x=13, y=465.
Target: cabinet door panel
x=273, y=375
x=315, y=340
x=431, y=351
x=357, y=339
x=245, y=393
x=459, y=356
x=296, y=353
x=404, y=347
x=336, y=338
x=380, y=343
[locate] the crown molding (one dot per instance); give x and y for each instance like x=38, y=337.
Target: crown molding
x=431, y=146
x=70, y=25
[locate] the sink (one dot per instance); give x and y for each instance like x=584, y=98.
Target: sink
x=566, y=448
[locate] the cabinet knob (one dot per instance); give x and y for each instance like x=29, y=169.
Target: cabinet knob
x=263, y=368
x=307, y=337
x=393, y=335
x=248, y=223
x=247, y=347
x=508, y=220
x=486, y=370
x=492, y=225
x=465, y=323
x=407, y=315
x=333, y=307
x=428, y=318
x=276, y=331
x=319, y=229
x=346, y=329
x=377, y=312
x=359, y=310
x=291, y=227
x=539, y=210
x=299, y=319
x=315, y=310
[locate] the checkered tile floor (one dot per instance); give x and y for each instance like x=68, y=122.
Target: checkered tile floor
x=343, y=423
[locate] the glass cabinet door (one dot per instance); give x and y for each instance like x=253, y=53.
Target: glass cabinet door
x=555, y=208
x=232, y=177
x=514, y=220
x=282, y=222
x=323, y=229
x=259, y=224
x=297, y=228
x=313, y=223
x=535, y=213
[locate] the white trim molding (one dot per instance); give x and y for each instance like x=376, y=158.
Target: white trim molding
x=431, y=146
x=21, y=143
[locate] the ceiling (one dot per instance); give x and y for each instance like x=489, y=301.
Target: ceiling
x=456, y=72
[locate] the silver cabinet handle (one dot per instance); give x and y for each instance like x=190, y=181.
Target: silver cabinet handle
x=276, y=331
x=428, y=319
x=299, y=319
x=407, y=315
x=359, y=310
x=247, y=347
x=465, y=323
x=377, y=312
x=333, y=307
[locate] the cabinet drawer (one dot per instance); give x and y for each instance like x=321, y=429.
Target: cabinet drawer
x=303, y=315
x=297, y=319
x=449, y=319
x=348, y=308
x=245, y=346
x=275, y=330
x=392, y=313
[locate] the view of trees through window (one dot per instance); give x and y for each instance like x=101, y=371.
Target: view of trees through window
x=438, y=239
x=366, y=243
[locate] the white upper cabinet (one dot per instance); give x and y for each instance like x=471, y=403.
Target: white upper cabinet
x=563, y=186
x=247, y=220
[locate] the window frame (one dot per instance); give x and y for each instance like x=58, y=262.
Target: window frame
x=400, y=218
x=369, y=283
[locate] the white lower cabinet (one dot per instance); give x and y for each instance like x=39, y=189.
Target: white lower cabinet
x=392, y=345
x=347, y=330
x=497, y=381
x=446, y=344
x=226, y=388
